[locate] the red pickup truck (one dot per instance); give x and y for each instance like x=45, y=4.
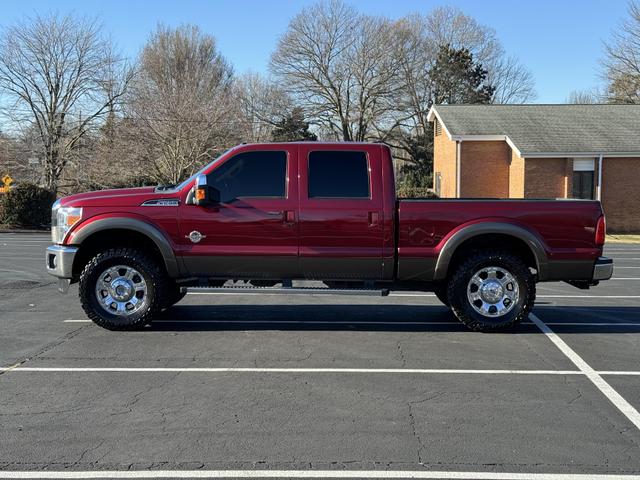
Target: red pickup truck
x=267, y=215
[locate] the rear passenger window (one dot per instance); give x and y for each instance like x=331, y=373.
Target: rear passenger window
x=338, y=174
x=252, y=175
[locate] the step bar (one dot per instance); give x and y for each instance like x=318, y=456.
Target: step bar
x=250, y=290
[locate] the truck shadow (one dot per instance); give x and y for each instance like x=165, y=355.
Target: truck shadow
x=382, y=318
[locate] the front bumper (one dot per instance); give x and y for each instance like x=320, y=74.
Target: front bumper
x=603, y=269
x=59, y=260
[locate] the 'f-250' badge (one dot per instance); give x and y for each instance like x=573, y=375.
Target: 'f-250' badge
x=195, y=236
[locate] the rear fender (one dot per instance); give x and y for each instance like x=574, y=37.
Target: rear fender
x=532, y=240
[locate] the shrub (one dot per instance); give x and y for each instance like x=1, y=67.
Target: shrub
x=27, y=205
x=409, y=191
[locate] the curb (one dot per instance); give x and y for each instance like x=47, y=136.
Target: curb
x=24, y=231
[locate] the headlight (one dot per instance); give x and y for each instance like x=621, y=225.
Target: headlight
x=62, y=219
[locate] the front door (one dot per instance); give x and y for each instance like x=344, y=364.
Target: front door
x=341, y=212
x=252, y=232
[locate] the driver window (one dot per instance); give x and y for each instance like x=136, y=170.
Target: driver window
x=251, y=175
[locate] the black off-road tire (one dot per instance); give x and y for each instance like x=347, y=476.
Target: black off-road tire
x=461, y=306
x=154, y=276
x=442, y=294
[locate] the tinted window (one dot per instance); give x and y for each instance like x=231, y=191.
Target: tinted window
x=338, y=175
x=251, y=174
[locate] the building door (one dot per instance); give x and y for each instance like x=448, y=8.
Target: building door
x=583, y=178
x=583, y=185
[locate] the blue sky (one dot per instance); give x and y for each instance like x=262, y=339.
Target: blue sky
x=559, y=41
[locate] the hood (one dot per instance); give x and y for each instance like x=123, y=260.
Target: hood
x=120, y=197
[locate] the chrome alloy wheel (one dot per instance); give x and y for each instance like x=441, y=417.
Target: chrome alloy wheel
x=493, y=291
x=121, y=290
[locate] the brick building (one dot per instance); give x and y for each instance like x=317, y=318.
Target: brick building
x=541, y=151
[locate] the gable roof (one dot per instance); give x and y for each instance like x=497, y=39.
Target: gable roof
x=547, y=130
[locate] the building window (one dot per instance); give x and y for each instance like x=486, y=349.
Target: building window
x=583, y=178
x=438, y=127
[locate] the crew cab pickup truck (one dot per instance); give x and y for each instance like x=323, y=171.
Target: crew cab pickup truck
x=268, y=217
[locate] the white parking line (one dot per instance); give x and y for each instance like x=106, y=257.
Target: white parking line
x=394, y=371
x=414, y=371
x=614, y=397
x=371, y=322
x=587, y=296
x=125, y=474
x=295, y=322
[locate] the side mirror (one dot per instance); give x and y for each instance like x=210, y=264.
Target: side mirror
x=204, y=194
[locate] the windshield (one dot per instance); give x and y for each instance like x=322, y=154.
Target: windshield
x=175, y=188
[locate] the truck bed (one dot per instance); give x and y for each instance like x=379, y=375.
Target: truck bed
x=564, y=228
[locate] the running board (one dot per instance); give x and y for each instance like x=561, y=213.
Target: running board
x=290, y=291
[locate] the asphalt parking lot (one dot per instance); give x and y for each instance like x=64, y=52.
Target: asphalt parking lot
x=229, y=386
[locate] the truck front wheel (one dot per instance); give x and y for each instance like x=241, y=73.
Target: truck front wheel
x=491, y=290
x=122, y=288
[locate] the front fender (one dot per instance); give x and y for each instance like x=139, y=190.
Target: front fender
x=154, y=234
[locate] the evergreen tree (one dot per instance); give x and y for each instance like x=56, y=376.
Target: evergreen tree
x=293, y=128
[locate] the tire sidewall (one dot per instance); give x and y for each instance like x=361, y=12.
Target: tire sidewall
x=459, y=301
x=92, y=273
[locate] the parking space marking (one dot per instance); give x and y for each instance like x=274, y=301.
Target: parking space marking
x=373, y=322
x=291, y=370
x=587, y=296
x=311, y=474
x=614, y=397
x=296, y=322
x=413, y=371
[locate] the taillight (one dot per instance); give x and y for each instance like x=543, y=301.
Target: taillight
x=601, y=231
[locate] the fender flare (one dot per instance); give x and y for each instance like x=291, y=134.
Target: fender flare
x=534, y=243
x=133, y=224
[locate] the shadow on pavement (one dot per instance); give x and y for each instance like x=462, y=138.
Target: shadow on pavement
x=387, y=318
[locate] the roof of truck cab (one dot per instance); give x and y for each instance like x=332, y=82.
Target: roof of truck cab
x=336, y=143
x=547, y=130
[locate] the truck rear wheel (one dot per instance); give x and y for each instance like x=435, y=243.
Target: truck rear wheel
x=122, y=288
x=491, y=290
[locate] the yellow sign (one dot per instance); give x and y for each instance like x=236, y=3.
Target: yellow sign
x=6, y=183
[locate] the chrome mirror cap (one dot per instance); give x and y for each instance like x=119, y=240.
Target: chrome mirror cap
x=201, y=180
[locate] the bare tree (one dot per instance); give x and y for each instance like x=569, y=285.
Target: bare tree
x=583, y=97
x=338, y=66
x=62, y=75
x=622, y=62
x=262, y=104
x=181, y=101
x=513, y=83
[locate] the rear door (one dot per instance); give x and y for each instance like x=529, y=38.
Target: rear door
x=252, y=232
x=341, y=211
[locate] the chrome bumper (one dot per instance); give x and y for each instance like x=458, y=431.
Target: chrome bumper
x=59, y=260
x=603, y=269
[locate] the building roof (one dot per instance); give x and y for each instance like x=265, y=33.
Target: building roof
x=547, y=130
